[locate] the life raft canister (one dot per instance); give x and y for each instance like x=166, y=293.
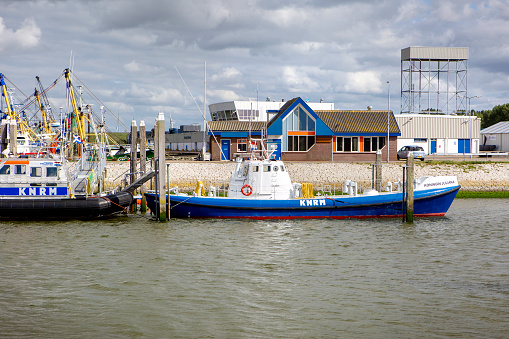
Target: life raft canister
x=247, y=188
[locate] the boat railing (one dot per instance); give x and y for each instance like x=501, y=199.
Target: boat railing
x=320, y=189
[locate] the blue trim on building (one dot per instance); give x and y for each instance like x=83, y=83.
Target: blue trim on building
x=365, y=134
x=276, y=128
x=241, y=134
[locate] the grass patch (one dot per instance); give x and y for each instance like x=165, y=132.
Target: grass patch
x=482, y=195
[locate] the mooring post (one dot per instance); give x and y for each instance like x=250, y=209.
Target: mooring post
x=161, y=167
x=378, y=167
x=410, y=189
x=133, y=157
x=143, y=164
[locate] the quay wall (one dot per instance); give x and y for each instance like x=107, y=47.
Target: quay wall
x=472, y=177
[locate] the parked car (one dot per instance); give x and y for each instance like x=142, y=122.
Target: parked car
x=417, y=151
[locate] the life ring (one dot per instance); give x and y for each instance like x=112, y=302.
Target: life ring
x=250, y=189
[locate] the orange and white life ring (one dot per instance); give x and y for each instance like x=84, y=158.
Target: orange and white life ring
x=249, y=187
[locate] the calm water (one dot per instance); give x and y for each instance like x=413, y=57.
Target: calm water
x=130, y=277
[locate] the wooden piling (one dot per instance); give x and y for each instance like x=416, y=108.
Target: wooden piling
x=410, y=189
x=143, y=164
x=378, y=170
x=133, y=157
x=161, y=167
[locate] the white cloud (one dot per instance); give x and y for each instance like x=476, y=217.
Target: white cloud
x=227, y=73
x=298, y=80
x=25, y=37
x=132, y=67
x=363, y=82
x=222, y=95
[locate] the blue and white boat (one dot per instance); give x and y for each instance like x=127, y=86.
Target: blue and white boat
x=262, y=189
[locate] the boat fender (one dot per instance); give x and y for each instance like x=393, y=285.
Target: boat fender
x=247, y=189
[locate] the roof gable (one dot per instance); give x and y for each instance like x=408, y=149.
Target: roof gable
x=275, y=126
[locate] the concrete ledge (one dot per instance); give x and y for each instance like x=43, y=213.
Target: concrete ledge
x=475, y=176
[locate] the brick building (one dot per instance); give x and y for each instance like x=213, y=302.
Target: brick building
x=300, y=134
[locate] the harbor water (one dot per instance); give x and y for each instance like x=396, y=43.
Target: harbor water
x=131, y=277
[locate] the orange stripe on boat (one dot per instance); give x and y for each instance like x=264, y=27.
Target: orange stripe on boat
x=16, y=162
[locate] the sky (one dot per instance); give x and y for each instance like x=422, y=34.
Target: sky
x=140, y=58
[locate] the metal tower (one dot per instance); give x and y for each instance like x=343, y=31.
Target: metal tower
x=434, y=80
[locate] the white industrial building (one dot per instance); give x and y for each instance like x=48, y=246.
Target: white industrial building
x=497, y=135
x=440, y=134
x=256, y=110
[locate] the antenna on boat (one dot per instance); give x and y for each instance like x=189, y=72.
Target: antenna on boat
x=204, y=148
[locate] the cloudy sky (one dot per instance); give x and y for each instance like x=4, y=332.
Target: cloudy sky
x=127, y=52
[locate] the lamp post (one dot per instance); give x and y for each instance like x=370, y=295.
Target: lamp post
x=388, y=117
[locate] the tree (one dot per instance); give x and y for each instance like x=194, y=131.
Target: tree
x=491, y=117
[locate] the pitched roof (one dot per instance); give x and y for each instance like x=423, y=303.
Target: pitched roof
x=342, y=121
x=236, y=125
x=499, y=127
x=282, y=110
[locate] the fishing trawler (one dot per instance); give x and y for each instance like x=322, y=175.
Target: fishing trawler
x=59, y=178
x=261, y=188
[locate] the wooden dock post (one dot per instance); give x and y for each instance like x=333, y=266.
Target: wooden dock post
x=161, y=140
x=143, y=164
x=378, y=170
x=133, y=157
x=410, y=189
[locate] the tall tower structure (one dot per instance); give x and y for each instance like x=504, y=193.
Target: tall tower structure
x=434, y=79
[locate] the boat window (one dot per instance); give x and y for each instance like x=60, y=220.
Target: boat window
x=51, y=171
x=275, y=168
x=20, y=169
x=266, y=168
x=282, y=168
x=246, y=168
x=256, y=168
x=36, y=171
x=6, y=169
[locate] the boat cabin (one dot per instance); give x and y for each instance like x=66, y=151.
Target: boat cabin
x=32, y=177
x=262, y=179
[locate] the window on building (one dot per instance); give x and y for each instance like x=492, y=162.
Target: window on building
x=372, y=144
x=420, y=140
x=298, y=131
x=347, y=144
x=247, y=114
x=242, y=145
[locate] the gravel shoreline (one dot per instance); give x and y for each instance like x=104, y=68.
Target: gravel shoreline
x=472, y=177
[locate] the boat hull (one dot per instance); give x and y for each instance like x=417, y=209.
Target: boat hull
x=63, y=208
x=388, y=205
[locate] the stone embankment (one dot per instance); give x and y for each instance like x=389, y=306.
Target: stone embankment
x=472, y=177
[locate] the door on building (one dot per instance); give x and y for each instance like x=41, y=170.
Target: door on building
x=225, y=148
x=433, y=149
x=276, y=146
x=463, y=146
